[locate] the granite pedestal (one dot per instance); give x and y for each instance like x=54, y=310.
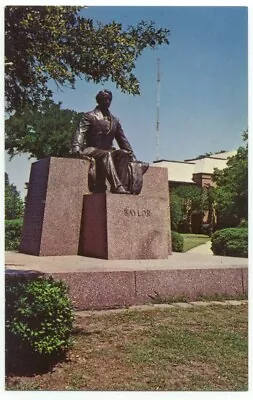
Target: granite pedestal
x=123, y=227
x=54, y=210
x=54, y=206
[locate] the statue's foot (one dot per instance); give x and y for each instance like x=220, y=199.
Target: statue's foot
x=120, y=190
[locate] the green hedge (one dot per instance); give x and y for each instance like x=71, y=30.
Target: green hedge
x=13, y=229
x=177, y=242
x=39, y=316
x=230, y=242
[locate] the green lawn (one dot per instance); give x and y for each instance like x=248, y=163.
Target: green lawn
x=192, y=240
x=179, y=349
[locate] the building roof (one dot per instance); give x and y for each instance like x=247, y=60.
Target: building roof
x=223, y=156
x=182, y=171
x=178, y=171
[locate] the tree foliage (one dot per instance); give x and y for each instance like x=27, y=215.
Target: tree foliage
x=14, y=207
x=208, y=154
x=56, y=42
x=231, y=192
x=191, y=196
x=186, y=200
x=45, y=131
x=176, y=211
x=13, y=231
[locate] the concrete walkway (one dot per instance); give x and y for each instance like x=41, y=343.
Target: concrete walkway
x=15, y=261
x=202, y=249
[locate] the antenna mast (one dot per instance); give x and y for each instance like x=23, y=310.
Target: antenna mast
x=157, y=109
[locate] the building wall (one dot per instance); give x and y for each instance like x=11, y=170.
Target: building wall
x=203, y=180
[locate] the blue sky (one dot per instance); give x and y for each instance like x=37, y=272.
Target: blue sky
x=203, y=93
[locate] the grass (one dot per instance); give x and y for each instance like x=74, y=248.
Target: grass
x=198, y=348
x=192, y=240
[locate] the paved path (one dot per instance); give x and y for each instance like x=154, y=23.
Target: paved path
x=15, y=261
x=202, y=249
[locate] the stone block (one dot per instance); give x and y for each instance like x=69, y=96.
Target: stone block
x=190, y=283
x=100, y=290
x=54, y=206
x=155, y=183
x=124, y=227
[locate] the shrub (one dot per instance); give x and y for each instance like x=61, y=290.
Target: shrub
x=177, y=242
x=13, y=228
x=230, y=242
x=39, y=316
x=205, y=229
x=243, y=224
x=184, y=226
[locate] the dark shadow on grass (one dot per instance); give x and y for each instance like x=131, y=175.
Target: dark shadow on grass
x=22, y=361
x=21, y=273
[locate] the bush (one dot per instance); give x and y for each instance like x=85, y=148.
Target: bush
x=207, y=229
x=230, y=242
x=13, y=229
x=177, y=242
x=243, y=224
x=39, y=316
x=184, y=226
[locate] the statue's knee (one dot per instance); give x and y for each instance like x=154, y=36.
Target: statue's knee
x=123, y=155
x=107, y=156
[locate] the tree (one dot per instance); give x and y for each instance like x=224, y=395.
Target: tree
x=208, y=154
x=176, y=210
x=231, y=192
x=45, y=131
x=14, y=207
x=193, y=201
x=43, y=43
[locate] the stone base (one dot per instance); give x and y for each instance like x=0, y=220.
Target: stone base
x=54, y=207
x=100, y=284
x=125, y=227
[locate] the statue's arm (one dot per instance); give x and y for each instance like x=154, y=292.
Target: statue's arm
x=79, y=138
x=123, y=141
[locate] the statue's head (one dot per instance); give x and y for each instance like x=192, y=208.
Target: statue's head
x=104, y=98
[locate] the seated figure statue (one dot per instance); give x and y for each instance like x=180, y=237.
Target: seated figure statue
x=94, y=139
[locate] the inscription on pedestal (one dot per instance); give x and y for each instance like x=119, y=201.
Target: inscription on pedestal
x=131, y=212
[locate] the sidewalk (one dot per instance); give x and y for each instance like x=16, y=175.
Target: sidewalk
x=202, y=249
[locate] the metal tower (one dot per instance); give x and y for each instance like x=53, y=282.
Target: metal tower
x=157, y=109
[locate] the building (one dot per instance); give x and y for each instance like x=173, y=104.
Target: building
x=196, y=171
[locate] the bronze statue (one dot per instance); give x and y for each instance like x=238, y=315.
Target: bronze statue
x=94, y=139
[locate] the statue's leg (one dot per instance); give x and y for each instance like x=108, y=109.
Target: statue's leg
x=100, y=185
x=130, y=172
x=105, y=168
x=121, y=159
